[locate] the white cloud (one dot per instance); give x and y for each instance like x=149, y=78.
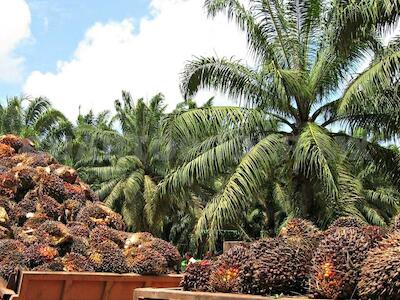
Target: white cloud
x=15, y=20
x=111, y=57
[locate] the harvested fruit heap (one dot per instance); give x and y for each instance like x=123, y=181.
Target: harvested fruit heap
x=349, y=260
x=52, y=221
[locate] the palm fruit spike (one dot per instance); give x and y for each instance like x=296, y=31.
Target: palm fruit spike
x=38, y=254
x=67, y=174
x=8, y=184
x=282, y=267
x=80, y=245
x=78, y=229
x=225, y=276
x=55, y=266
x=74, y=262
x=54, y=233
x=337, y=263
x=103, y=233
x=169, y=251
x=396, y=223
x=6, y=151
x=26, y=206
x=347, y=222
x=137, y=238
x=53, y=186
x=380, y=274
x=197, y=276
x=9, y=246
x=107, y=257
x=375, y=234
x=11, y=264
x=23, y=235
x=11, y=140
x=36, y=159
x=97, y=213
x=49, y=206
x=71, y=209
x=299, y=227
x=145, y=261
x=75, y=191
x=35, y=220
x=25, y=176
x=5, y=233
x=4, y=219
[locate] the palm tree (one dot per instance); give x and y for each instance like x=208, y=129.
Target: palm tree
x=283, y=146
x=35, y=119
x=129, y=181
x=93, y=141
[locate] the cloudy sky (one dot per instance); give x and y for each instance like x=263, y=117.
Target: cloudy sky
x=84, y=52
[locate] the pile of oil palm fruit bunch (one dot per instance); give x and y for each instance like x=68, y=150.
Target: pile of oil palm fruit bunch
x=348, y=260
x=52, y=221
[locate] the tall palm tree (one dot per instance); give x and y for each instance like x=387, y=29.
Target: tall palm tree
x=128, y=182
x=304, y=86
x=34, y=118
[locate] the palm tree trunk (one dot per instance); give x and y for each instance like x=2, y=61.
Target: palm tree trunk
x=304, y=192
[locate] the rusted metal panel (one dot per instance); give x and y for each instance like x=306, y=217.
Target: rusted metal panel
x=82, y=286
x=175, y=294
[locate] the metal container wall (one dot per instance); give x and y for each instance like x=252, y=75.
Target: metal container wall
x=82, y=286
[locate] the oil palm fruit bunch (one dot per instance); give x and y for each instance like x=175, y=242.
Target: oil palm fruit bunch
x=79, y=245
x=166, y=249
x=380, y=273
x=197, y=276
x=137, y=238
x=95, y=214
x=301, y=228
x=12, y=141
x=375, y=234
x=78, y=229
x=38, y=254
x=11, y=263
x=103, y=233
x=283, y=266
x=347, y=222
x=108, y=257
x=337, y=263
x=54, y=233
x=74, y=262
x=225, y=275
x=49, y=206
x=54, y=266
x=145, y=261
x=396, y=223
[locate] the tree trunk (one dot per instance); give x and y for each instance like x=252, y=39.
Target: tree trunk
x=304, y=192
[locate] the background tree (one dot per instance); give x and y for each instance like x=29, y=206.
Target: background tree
x=129, y=180
x=35, y=119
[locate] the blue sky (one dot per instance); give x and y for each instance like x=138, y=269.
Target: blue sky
x=57, y=26
x=82, y=53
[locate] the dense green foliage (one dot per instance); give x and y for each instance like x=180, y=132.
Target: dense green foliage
x=309, y=138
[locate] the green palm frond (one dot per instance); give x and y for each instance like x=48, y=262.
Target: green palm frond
x=317, y=153
x=250, y=174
